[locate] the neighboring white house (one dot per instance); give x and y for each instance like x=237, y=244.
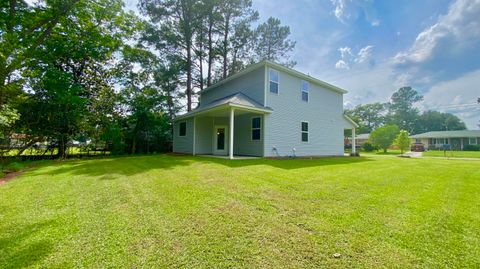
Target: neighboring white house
x=265, y=110
x=451, y=139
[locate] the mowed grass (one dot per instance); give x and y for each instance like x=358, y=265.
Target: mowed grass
x=452, y=154
x=193, y=212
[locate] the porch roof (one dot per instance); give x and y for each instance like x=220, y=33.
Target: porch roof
x=237, y=100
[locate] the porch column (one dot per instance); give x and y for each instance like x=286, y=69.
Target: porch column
x=461, y=143
x=194, y=138
x=354, y=143
x=232, y=121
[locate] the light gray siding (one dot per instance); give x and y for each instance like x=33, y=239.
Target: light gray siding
x=204, y=135
x=323, y=112
x=183, y=144
x=251, y=84
x=243, y=143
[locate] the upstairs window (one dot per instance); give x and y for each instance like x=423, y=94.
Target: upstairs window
x=472, y=141
x=304, y=89
x=256, y=128
x=182, y=128
x=273, y=78
x=304, y=131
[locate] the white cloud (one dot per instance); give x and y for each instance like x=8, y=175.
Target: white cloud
x=456, y=96
x=460, y=24
x=348, y=10
x=347, y=57
x=341, y=64
x=364, y=54
x=340, y=6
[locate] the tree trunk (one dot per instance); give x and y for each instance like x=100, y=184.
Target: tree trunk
x=62, y=147
x=189, y=76
x=210, y=51
x=225, y=46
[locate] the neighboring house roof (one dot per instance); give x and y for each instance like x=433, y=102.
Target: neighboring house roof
x=448, y=134
x=237, y=100
x=276, y=66
x=360, y=137
x=363, y=136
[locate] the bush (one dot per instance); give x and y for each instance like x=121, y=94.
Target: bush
x=472, y=148
x=13, y=167
x=368, y=147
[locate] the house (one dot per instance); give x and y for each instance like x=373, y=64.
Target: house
x=265, y=110
x=360, y=139
x=459, y=140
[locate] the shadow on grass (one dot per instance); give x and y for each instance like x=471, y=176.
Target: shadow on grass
x=111, y=168
x=21, y=249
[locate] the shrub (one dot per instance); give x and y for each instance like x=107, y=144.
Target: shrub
x=13, y=167
x=472, y=148
x=368, y=146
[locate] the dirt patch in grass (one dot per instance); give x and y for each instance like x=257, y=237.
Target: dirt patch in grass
x=9, y=176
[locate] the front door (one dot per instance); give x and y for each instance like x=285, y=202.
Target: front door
x=220, y=140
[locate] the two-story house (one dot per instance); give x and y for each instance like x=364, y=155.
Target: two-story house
x=265, y=110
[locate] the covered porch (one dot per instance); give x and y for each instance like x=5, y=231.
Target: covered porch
x=232, y=126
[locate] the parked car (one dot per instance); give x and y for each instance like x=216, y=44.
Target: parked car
x=417, y=147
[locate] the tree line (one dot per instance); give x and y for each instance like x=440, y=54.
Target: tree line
x=401, y=111
x=92, y=72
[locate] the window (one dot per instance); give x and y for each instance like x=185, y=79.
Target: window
x=256, y=127
x=273, y=77
x=182, y=128
x=304, y=89
x=304, y=131
x=472, y=141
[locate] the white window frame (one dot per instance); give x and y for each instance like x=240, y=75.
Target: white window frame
x=251, y=128
x=470, y=141
x=270, y=81
x=302, y=90
x=179, y=127
x=302, y=131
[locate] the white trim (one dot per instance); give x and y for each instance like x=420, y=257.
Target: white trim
x=270, y=80
x=265, y=86
x=292, y=72
x=302, y=131
x=232, y=124
x=179, y=123
x=194, y=136
x=223, y=106
x=355, y=125
x=354, y=142
x=308, y=78
x=476, y=141
x=215, y=151
x=251, y=128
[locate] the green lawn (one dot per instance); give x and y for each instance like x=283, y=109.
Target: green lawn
x=192, y=212
x=452, y=154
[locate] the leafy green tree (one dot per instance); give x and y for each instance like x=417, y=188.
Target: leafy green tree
x=401, y=110
x=438, y=121
x=368, y=116
x=272, y=42
x=23, y=29
x=402, y=141
x=68, y=73
x=383, y=136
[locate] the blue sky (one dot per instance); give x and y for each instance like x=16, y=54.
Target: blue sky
x=371, y=48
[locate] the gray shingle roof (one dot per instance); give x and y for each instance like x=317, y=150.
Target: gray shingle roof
x=448, y=134
x=237, y=100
